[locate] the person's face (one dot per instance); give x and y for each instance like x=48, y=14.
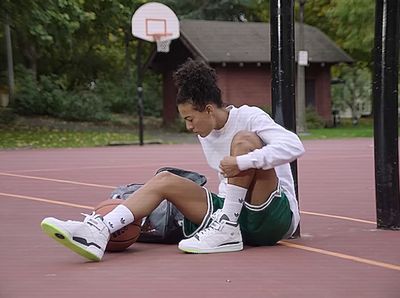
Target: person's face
x=201, y=123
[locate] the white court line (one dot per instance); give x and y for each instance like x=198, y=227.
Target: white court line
x=338, y=217
x=113, y=187
x=57, y=180
x=342, y=256
x=285, y=243
x=45, y=200
x=156, y=166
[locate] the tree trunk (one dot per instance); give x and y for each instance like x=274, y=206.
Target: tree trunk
x=31, y=55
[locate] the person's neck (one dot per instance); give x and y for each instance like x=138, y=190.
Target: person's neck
x=222, y=115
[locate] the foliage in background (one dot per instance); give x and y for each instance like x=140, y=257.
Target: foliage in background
x=313, y=120
x=354, y=91
x=350, y=24
x=81, y=52
x=96, y=102
x=223, y=10
x=46, y=97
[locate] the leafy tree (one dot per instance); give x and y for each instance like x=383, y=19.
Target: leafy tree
x=349, y=23
x=222, y=10
x=42, y=27
x=354, y=93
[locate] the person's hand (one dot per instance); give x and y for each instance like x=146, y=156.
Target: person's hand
x=229, y=167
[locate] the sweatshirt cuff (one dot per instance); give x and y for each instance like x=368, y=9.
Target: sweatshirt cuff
x=244, y=162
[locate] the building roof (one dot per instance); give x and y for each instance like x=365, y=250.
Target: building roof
x=221, y=41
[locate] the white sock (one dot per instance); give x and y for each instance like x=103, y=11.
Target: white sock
x=234, y=201
x=118, y=218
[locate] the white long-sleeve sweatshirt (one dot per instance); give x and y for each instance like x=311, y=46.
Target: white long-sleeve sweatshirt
x=281, y=147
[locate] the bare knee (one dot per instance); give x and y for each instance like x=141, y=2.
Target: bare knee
x=160, y=182
x=162, y=179
x=244, y=142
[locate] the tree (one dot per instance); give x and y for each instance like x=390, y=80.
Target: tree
x=349, y=23
x=222, y=10
x=41, y=27
x=354, y=93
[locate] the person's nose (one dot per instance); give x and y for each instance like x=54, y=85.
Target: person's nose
x=189, y=126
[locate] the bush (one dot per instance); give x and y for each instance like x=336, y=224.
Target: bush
x=116, y=97
x=84, y=106
x=313, y=120
x=27, y=99
x=6, y=116
x=48, y=97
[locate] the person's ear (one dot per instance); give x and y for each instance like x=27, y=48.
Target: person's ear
x=209, y=108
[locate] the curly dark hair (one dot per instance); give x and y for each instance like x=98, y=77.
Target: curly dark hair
x=197, y=84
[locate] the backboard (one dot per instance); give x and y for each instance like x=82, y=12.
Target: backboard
x=155, y=22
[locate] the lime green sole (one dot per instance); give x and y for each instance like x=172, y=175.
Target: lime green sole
x=61, y=237
x=211, y=251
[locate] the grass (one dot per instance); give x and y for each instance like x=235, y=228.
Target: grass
x=346, y=130
x=52, y=133
x=50, y=138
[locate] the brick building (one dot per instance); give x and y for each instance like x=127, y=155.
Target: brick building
x=240, y=53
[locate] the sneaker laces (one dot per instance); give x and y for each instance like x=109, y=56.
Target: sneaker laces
x=207, y=230
x=88, y=217
x=94, y=220
x=215, y=225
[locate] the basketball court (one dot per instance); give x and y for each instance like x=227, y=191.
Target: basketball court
x=340, y=252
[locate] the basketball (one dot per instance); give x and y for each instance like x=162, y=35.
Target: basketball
x=124, y=237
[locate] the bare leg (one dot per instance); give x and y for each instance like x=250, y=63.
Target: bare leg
x=187, y=196
x=260, y=183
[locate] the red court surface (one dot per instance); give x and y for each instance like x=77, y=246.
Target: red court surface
x=340, y=252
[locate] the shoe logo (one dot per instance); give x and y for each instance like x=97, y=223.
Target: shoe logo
x=111, y=225
x=236, y=214
x=122, y=220
x=83, y=241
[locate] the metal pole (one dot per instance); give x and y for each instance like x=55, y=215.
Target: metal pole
x=10, y=64
x=139, y=90
x=301, y=90
x=385, y=95
x=282, y=69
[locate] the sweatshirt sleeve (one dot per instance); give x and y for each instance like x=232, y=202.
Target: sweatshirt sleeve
x=281, y=146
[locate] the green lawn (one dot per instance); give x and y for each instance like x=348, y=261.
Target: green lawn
x=57, y=134
x=45, y=138
x=339, y=133
x=50, y=138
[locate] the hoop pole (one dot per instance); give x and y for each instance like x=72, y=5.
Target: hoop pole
x=139, y=89
x=385, y=92
x=282, y=68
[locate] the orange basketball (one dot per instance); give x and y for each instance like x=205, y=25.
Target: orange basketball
x=124, y=237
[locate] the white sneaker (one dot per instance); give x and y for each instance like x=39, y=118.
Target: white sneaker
x=88, y=238
x=221, y=235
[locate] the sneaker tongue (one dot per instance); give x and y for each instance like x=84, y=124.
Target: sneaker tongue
x=223, y=217
x=219, y=216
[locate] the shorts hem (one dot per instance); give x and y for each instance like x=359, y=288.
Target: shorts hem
x=206, y=219
x=275, y=194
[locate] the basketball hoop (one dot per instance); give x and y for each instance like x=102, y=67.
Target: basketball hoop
x=156, y=22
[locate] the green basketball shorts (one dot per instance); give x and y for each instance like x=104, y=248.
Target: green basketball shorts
x=265, y=224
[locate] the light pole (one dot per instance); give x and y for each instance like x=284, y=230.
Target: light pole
x=301, y=62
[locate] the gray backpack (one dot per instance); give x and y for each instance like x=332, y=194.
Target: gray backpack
x=164, y=224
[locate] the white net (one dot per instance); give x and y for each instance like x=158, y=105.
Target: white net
x=163, y=46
